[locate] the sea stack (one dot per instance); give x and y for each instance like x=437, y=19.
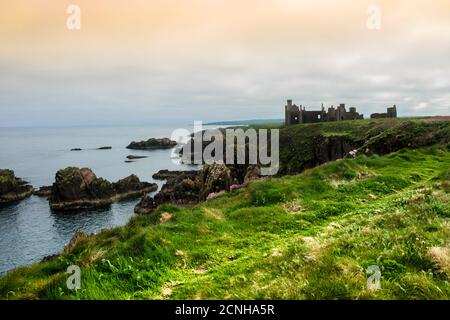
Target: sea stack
x=76, y=189
x=152, y=144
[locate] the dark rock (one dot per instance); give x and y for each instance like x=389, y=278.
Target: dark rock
x=76, y=189
x=188, y=153
x=332, y=148
x=181, y=187
x=179, y=190
x=166, y=174
x=131, y=157
x=77, y=237
x=187, y=187
x=50, y=258
x=132, y=185
x=145, y=206
x=12, y=188
x=152, y=144
x=214, y=178
x=253, y=173
x=45, y=191
x=104, y=148
x=76, y=149
x=129, y=161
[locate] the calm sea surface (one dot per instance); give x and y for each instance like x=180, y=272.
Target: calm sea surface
x=29, y=230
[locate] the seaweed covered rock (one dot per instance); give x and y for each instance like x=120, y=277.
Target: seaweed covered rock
x=76, y=189
x=152, y=143
x=13, y=188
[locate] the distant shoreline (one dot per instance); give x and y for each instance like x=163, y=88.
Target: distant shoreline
x=245, y=122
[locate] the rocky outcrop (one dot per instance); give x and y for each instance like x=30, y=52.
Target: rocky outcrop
x=152, y=144
x=12, y=188
x=105, y=148
x=45, y=191
x=78, y=237
x=301, y=147
x=167, y=174
x=179, y=190
x=214, y=178
x=253, y=172
x=181, y=187
x=131, y=187
x=185, y=187
x=131, y=157
x=188, y=152
x=332, y=148
x=145, y=206
x=76, y=189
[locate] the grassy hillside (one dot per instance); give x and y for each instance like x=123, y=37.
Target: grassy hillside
x=308, y=236
x=307, y=145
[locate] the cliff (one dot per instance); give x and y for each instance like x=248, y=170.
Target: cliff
x=311, y=235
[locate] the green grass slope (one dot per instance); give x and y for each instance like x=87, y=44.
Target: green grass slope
x=308, y=145
x=308, y=236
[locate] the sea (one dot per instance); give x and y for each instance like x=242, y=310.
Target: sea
x=29, y=229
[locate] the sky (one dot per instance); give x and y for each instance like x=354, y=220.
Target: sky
x=175, y=61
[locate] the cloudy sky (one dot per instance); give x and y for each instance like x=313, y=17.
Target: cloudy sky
x=156, y=61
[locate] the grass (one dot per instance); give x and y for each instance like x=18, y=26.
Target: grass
x=308, y=236
x=308, y=145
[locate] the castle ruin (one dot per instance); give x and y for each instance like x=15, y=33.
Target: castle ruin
x=391, y=113
x=298, y=114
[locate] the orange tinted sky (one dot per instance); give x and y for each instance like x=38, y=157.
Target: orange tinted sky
x=217, y=59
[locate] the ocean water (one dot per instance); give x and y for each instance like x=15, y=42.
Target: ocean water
x=29, y=230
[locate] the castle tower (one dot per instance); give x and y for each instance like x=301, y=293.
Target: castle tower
x=287, y=115
x=392, y=112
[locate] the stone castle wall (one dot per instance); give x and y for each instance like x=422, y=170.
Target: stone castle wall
x=298, y=114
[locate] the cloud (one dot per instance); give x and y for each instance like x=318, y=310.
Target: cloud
x=162, y=61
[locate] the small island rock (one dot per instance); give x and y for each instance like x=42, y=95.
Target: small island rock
x=76, y=189
x=151, y=144
x=12, y=188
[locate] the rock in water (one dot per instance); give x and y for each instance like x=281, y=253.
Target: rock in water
x=76, y=189
x=13, y=188
x=131, y=157
x=166, y=174
x=145, y=206
x=151, y=144
x=131, y=186
x=45, y=191
x=104, y=148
